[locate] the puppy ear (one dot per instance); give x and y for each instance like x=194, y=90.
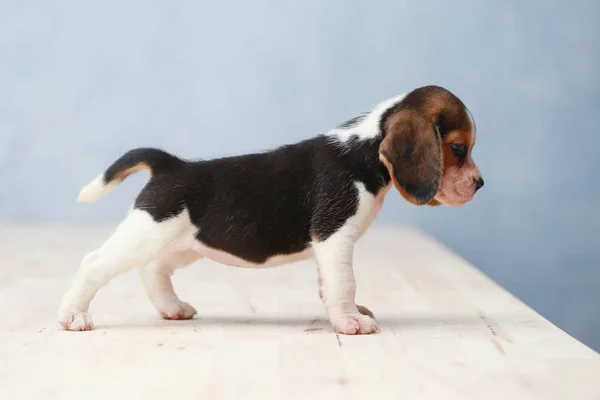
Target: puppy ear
x=412, y=153
x=434, y=203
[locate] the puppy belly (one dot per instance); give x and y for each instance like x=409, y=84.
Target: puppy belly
x=223, y=257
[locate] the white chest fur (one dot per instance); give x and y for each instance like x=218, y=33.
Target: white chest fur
x=369, y=207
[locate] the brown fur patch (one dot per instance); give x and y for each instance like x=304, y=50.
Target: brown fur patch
x=136, y=168
x=414, y=160
x=464, y=137
x=457, y=137
x=411, y=151
x=440, y=107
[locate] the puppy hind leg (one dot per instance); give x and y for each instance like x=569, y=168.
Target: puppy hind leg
x=136, y=241
x=157, y=281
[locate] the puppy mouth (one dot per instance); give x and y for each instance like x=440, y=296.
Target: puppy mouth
x=454, y=198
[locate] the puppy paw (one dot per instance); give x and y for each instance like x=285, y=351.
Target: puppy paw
x=76, y=321
x=179, y=310
x=352, y=324
x=365, y=311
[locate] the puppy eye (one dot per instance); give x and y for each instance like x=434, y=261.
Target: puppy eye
x=459, y=150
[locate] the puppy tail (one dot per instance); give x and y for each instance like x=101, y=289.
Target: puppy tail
x=152, y=160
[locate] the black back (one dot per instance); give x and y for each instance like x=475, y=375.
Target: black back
x=258, y=205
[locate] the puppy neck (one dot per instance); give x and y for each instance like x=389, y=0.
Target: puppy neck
x=367, y=125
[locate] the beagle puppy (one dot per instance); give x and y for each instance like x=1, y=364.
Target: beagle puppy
x=312, y=199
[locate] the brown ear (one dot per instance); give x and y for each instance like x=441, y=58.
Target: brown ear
x=412, y=153
x=434, y=203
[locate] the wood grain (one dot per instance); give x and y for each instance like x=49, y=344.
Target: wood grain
x=448, y=332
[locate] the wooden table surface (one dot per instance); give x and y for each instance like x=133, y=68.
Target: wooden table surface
x=447, y=331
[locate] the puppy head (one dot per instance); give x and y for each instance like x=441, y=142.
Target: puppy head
x=427, y=144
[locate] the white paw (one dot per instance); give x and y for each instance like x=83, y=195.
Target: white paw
x=178, y=310
x=355, y=324
x=76, y=321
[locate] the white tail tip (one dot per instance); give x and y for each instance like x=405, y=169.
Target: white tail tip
x=95, y=190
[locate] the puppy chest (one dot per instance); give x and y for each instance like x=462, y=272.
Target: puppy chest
x=369, y=206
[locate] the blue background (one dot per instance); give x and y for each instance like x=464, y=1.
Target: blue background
x=82, y=82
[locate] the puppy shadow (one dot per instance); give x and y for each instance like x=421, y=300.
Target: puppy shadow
x=307, y=324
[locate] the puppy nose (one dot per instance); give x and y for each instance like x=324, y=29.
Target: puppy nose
x=478, y=183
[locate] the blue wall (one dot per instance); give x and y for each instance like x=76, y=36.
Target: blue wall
x=81, y=83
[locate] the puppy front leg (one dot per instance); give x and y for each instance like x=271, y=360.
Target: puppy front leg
x=361, y=309
x=338, y=287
